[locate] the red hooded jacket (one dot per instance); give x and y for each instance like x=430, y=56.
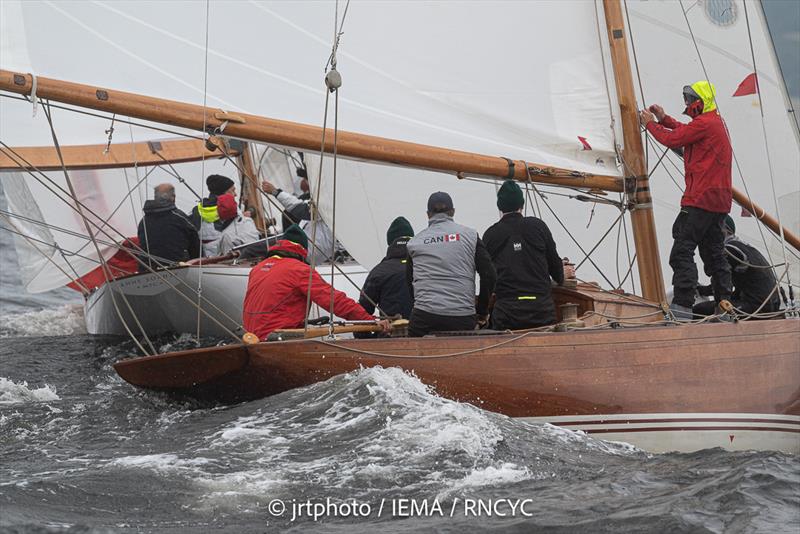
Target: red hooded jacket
x=277, y=290
x=707, y=158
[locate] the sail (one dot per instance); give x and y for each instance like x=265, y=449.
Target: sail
x=51, y=235
x=715, y=44
x=526, y=80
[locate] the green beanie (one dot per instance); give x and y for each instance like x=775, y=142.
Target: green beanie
x=400, y=227
x=729, y=224
x=510, y=197
x=295, y=234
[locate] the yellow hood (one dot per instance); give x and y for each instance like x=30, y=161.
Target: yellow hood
x=706, y=91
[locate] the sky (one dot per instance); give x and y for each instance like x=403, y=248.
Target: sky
x=783, y=17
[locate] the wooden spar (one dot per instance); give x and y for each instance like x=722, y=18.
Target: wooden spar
x=251, y=196
x=768, y=220
x=644, y=227
x=86, y=157
x=299, y=136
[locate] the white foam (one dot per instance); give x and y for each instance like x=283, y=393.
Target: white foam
x=505, y=473
x=19, y=393
x=159, y=462
x=62, y=321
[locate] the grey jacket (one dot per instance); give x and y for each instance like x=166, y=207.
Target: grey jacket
x=443, y=260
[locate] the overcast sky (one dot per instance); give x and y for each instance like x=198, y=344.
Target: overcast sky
x=783, y=17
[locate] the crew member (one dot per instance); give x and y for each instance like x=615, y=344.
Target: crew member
x=234, y=229
x=442, y=261
x=386, y=284
x=525, y=257
x=288, y=219
x=754, y=281
x=707, y=198
x=300, y=210
x=165, y=233
x=277, y=290
x=205, y=215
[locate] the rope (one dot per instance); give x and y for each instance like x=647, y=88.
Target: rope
x=135, y=252
x=615, y=223
x=436, y=356
x=735, y=159
x=106, y=270
x=544, y=200
x=32, y=242
x=764, y=133
x=203, y=169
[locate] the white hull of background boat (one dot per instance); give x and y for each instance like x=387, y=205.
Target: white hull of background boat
x=688, y=432
x=160, y=309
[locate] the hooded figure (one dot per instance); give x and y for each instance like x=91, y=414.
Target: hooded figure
x=707, y=156
x=755, y=287
x=386, y=283
x=277, y=289
x=235, y=229
x=526, y=260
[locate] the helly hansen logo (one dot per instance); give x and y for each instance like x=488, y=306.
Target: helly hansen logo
x=442, y=239
x=517, y=247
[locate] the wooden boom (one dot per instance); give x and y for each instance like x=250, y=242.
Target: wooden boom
x=45, y=158
x=768, y=220
x=299, y=136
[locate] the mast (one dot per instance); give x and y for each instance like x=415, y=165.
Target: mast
x=302, y=136
x=635, y=167
x=250, y=186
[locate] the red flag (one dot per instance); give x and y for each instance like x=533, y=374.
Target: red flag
x=586, y=145
x=749, y=86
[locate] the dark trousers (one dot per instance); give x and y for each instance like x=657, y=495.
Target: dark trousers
x=696, y=228
x=516, y=314
x=423, y=323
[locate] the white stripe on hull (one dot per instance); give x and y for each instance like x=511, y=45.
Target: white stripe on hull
x=689, y=432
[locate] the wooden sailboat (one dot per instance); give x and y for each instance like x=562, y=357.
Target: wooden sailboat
x=660, y=386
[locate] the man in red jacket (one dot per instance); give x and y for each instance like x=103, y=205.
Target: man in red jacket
x=707, y=158
x=278, y=287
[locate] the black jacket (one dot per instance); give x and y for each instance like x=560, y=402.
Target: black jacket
x=525, y=257
x=386, y=283
x=751, y=285
x=166, y=233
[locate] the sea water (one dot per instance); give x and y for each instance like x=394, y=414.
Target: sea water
x=372, y=450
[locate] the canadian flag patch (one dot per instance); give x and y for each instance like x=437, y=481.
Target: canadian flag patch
x=452, y=237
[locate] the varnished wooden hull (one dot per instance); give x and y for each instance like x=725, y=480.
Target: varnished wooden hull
x=739, y=378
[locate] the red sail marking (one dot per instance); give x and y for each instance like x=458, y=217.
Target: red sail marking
x=749, y=86
x=746, y=213
x=731, y=436
x=586, y=145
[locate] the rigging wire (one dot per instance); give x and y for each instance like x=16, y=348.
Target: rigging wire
x=735, y=159
x=106, y=270
x=32, y=240
x=136, y=251
x=766, y=143
x=203, y=169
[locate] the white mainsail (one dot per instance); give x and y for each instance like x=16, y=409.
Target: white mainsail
x=525, y=80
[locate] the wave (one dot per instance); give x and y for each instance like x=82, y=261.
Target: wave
x=19, y=393
x=61, y=321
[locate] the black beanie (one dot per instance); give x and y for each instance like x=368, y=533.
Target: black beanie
x=400, y=227
x=295, y=234
x=218, y=184
x=510, y=197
